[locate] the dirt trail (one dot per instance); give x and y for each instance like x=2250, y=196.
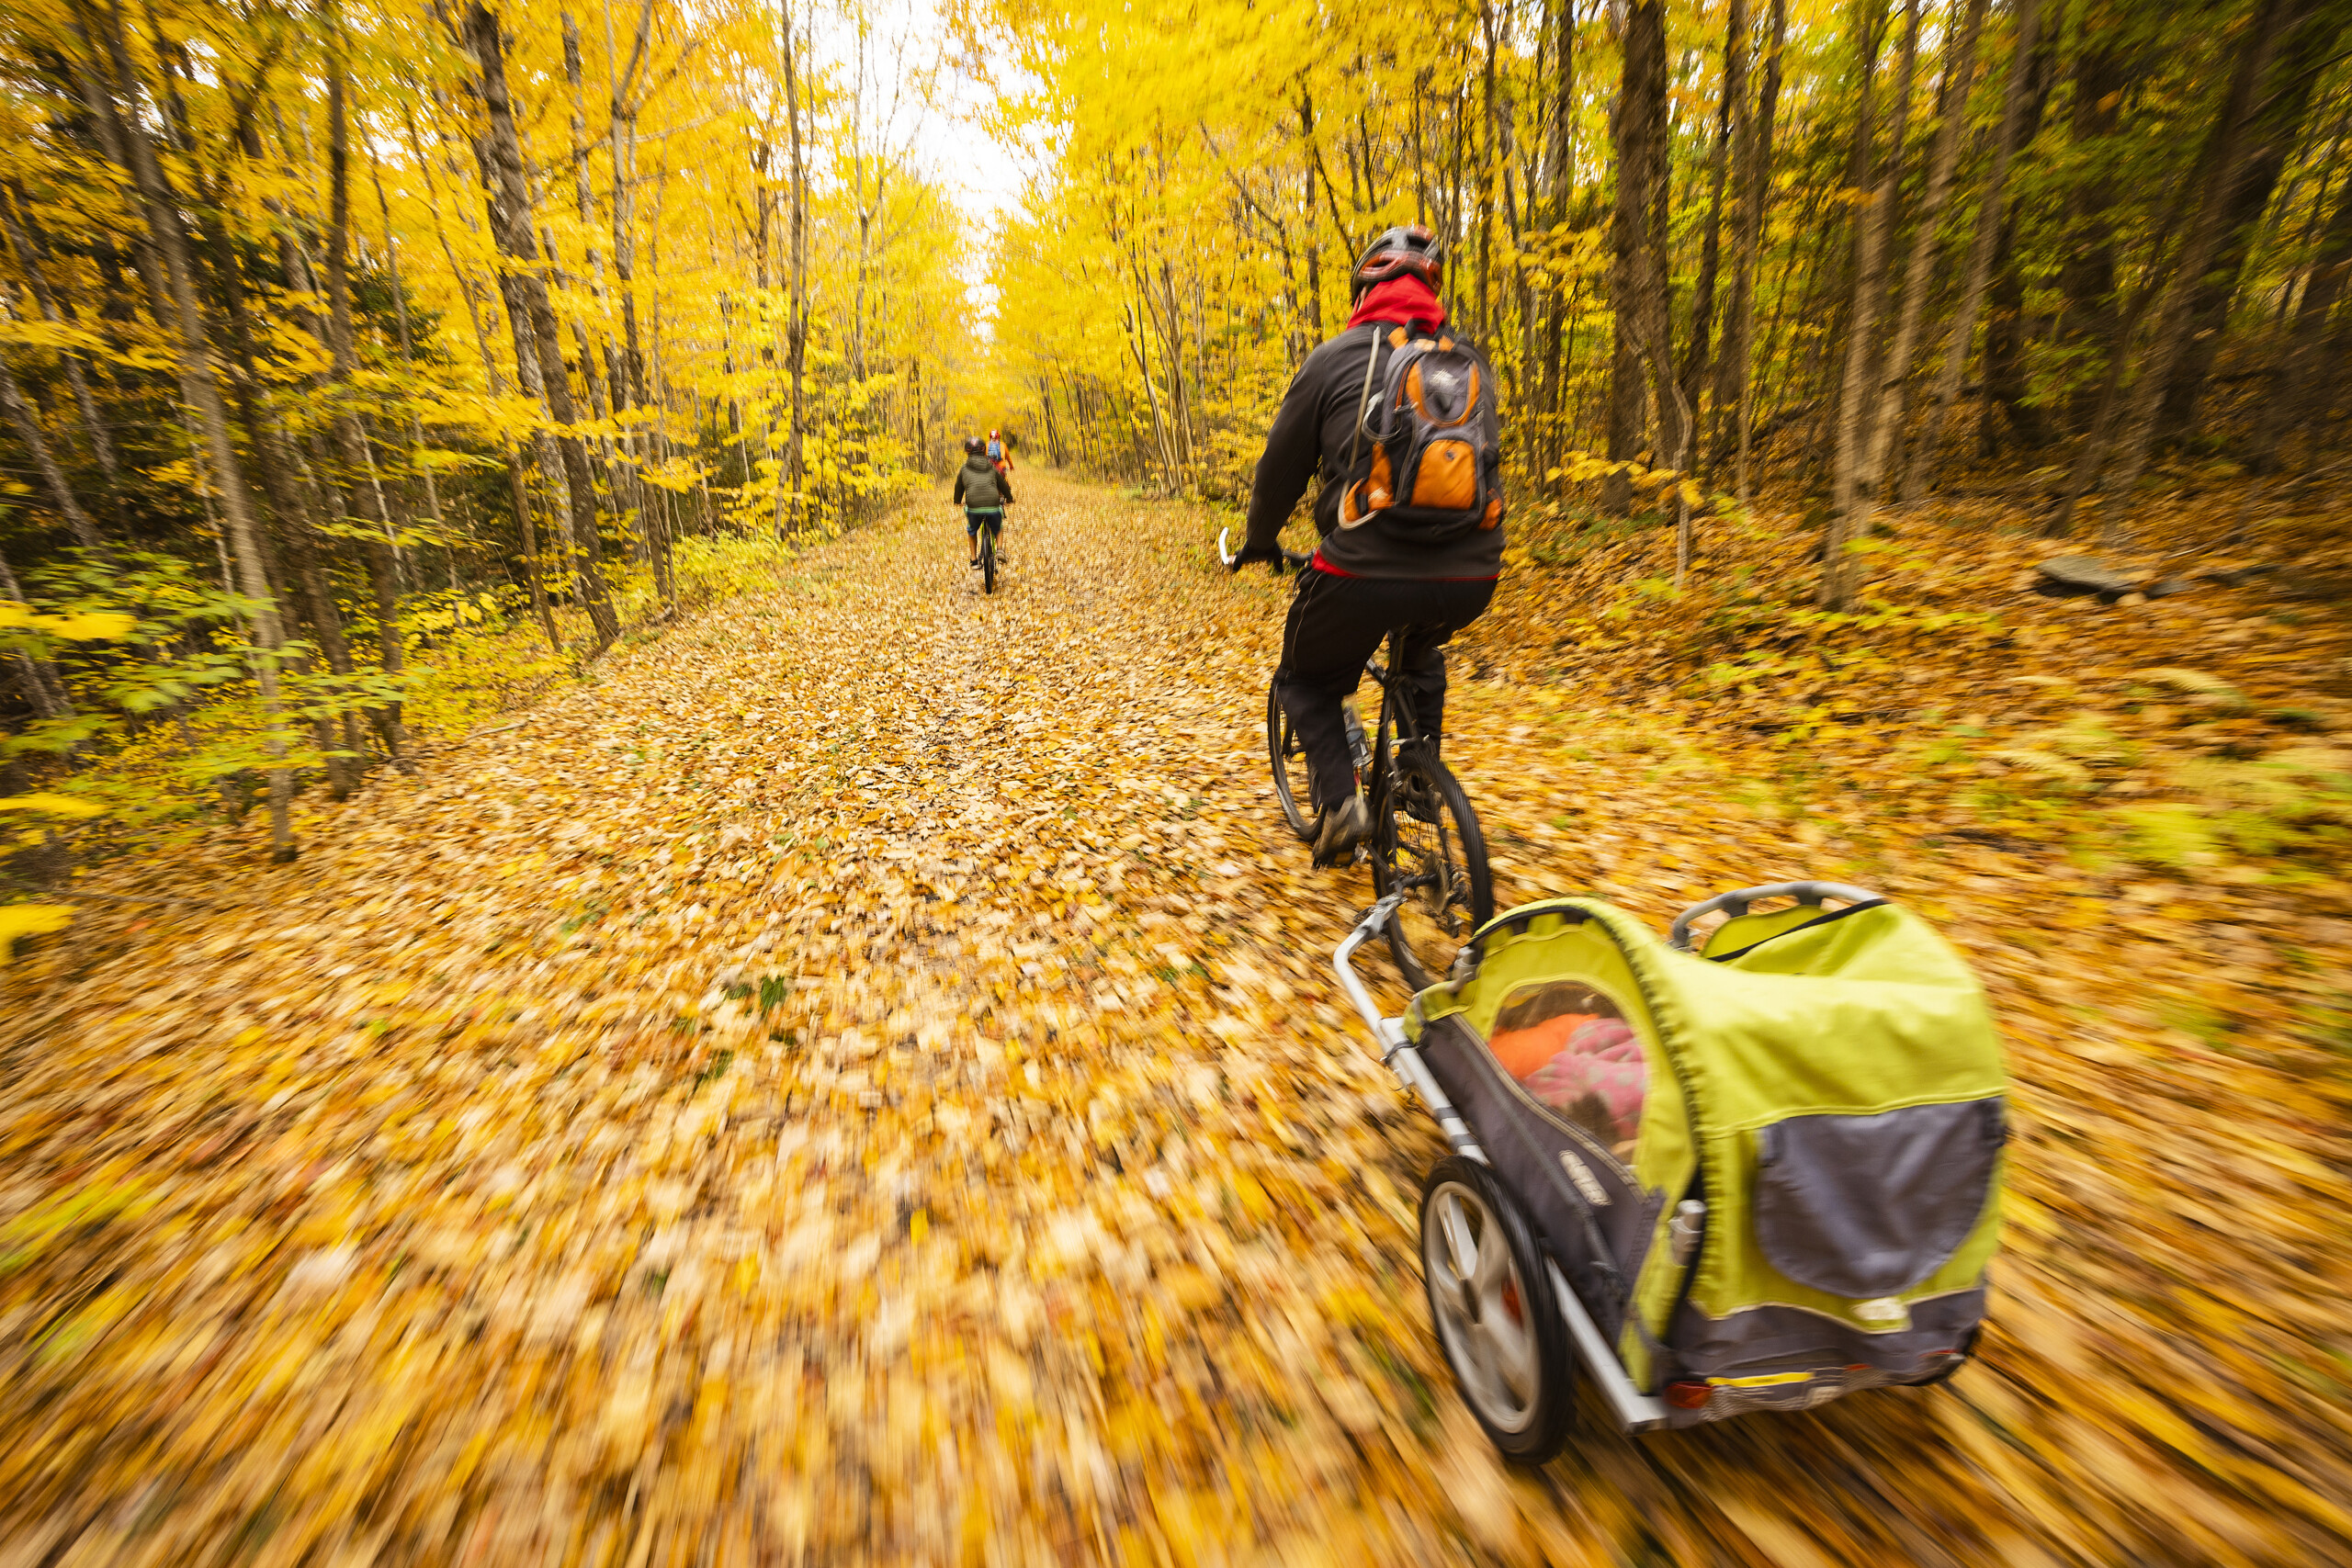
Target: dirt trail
x=859, y=1082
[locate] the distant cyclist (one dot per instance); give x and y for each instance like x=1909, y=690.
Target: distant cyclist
x=1000, y=453
x=1398, y=415
x=983, y=491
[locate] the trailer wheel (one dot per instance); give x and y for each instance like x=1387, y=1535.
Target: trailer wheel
x=1497, y=1319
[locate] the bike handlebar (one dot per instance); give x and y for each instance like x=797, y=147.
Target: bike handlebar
x=1295, y=562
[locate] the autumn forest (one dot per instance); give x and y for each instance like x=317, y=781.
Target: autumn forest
x=577, y=987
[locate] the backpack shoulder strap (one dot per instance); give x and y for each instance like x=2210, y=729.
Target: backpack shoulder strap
x=1362, y=405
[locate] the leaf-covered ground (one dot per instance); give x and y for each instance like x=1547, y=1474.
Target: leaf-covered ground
x=861, y=1082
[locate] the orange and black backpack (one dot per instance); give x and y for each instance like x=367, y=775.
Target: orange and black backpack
x=1436, y=465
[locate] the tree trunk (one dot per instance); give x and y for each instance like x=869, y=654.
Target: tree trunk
x=2114, y=454
x=1886, y=423
x=1702, y=299
x=296, y=504
x=2240, y=133
x=607, y=400
x=2310, y=32
x=1921, y=476
x=628, y=380
x=60, y=310
x=2301, y=396
x=1314, y=251
x=2005, y=326
x=1735, y=383
x=2103, y=71
x=408, y=343
x=517, y=485
x=27, y=421
x=1559, y=156
x=109, y=85
x=37, y=678
x=539, y=350
x=1849, y=503
x=1638, y=259
x=349, y=437
x=1486, y=167
x=797, y=331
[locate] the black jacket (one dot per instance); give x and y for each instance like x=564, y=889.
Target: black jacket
x=1310, y=437
x=978, y=463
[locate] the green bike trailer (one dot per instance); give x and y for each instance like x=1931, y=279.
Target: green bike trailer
x=1753, y=1176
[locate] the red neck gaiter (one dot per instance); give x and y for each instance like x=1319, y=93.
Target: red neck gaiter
x=1407, y=301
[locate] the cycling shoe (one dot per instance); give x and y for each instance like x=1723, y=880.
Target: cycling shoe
x=1339, y=830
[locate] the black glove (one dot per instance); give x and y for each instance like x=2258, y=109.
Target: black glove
x=1273, y=554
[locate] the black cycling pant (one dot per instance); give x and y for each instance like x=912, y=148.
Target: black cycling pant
x=1336, y=623
x=975, y=516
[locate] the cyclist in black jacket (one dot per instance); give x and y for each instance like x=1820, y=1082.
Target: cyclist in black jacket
x=1373, y=574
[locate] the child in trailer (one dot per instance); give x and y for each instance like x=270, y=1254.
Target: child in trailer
x=1570, y=1048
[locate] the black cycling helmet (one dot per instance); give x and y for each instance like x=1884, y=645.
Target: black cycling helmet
x=1407, y=249
x=974, y=445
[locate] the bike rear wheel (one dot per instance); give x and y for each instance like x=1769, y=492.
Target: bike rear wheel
x=1288, y=759
x=1427, y=845
x=987, y=558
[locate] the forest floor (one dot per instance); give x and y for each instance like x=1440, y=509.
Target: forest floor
x=859, y=1079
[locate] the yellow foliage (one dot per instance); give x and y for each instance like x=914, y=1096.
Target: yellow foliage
x=30, y=919
x=52, y=805
x=88, y=625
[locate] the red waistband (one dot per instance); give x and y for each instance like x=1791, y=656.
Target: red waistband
x=1319, y=564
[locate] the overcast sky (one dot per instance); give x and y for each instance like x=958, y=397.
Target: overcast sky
x=949, y=139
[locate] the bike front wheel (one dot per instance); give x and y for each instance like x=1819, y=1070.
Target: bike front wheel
x=1288, y=759
x=1426, y=846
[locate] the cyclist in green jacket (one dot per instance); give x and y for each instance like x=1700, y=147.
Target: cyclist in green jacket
x=983, y=493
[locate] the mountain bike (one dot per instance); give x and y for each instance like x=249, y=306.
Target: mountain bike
x=990, y=528
x=1426, y=846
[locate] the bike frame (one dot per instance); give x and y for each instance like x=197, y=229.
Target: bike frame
x=1399, y=726
x=990, y=530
